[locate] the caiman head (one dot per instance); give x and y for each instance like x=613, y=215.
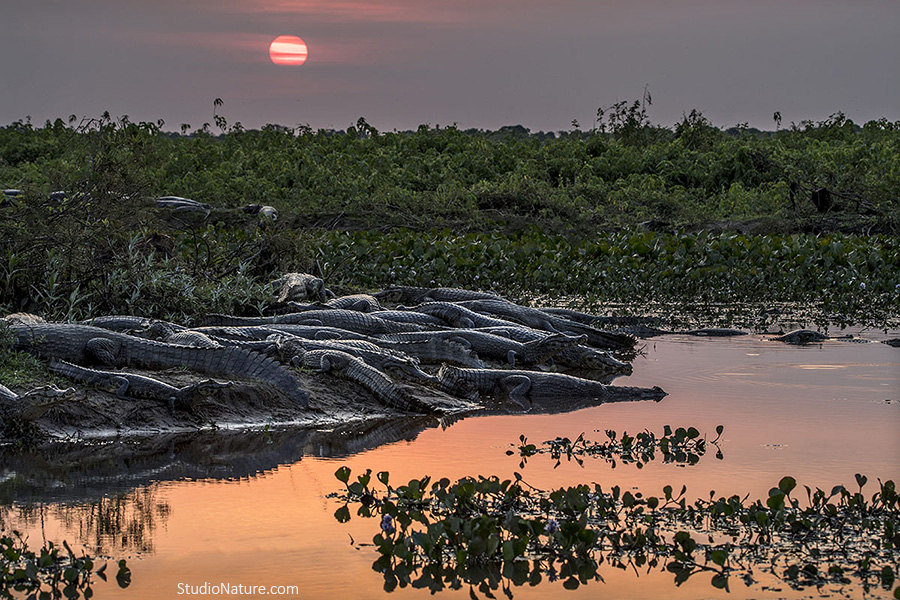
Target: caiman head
x=408, y=368
x=604, y=361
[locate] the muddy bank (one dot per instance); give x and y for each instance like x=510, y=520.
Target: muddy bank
x=87, y=413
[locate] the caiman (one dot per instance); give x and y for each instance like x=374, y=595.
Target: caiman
x=801, y=337
x=533, y=387
x=31, y=405
x=418, y=295
x=576, y=357
x=83, y=344
x=387, y=392
x=495, y=347
x=130, y=386
x=538, y=319
x=360, y=302
x=389, y=361
x=302, y=286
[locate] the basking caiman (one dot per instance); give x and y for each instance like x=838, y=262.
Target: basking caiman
x=83, y=344
x=388, y=392
x=536, y=386
x=130, y=386
x=302, y=286
x=538, y=319
x=418, y=295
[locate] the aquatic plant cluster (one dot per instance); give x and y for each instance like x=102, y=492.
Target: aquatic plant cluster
x=854, y=276
x=610, y=214
x=49, y=573
x=683, y=446
x=492, y=535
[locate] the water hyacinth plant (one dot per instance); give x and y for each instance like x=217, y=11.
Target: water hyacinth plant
x=50, y=573
x=491, y=534
x=683, y=446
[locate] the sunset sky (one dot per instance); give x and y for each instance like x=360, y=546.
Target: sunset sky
x=476, y=63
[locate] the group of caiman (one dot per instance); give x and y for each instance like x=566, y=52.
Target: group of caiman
x=415, y=350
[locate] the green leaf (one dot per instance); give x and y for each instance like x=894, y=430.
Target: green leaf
x=342, y=514
x=787, y=484
x=719, y=557
x=343, y=474
x=720, y=581
x=509, y=551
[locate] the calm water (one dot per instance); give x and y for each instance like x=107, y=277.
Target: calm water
x=254, y=510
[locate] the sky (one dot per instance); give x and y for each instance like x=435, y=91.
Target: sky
x=472, y=63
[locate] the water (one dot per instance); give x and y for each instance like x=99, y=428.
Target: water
x=252, y=509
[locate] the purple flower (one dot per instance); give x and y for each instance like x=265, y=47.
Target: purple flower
x=387, y=524
x=552, y=526
x=862, y=284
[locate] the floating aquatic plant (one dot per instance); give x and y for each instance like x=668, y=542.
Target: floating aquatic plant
x=490, y=534
x=682, y=446
x=50, y=572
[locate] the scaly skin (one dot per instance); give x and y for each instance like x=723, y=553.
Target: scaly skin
x=461, y=316
x=495, y=347
x=28, y=406
x=302, y=286
x=83, y=344
x=373, y=355
x=128, y=386
x=351, y=320
x=123, y=323
x=410, y=316
x=535, y=386
x=538, y=319
x=417, y=295
x=388, y=392
x=576, y=357
x=432, y=351
x=361, y=302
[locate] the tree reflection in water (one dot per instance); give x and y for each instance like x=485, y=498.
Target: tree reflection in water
x=123, y=523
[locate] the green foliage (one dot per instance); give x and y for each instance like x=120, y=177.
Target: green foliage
x=495, y=534
x=680, y=446
x=854, y=276
x=613, y=175
x=19, y=369
x=49, y=573
x=508, y=210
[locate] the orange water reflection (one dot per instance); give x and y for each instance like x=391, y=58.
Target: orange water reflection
x=819, y=413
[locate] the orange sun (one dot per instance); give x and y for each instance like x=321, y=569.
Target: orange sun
x=288, y=50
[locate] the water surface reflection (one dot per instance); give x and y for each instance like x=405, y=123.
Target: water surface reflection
x=254, y=508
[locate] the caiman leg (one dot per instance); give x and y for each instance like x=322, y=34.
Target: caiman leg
x=517, y=386
x=103, y=350
x=123, y=384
